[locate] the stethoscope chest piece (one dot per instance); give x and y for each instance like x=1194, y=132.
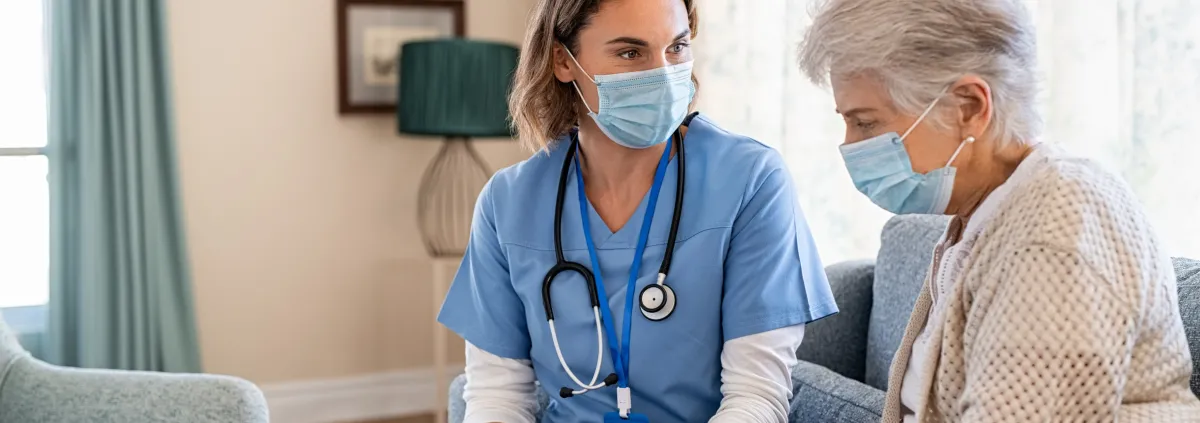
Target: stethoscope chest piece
x=657, y=301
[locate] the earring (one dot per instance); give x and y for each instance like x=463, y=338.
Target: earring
x=970, y=139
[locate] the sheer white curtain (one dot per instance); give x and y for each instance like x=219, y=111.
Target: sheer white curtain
x=24, y=192
x=1120, y=84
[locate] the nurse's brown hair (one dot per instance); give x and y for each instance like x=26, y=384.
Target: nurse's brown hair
x=544, y=109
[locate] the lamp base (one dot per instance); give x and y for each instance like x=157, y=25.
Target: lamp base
x=446, y=201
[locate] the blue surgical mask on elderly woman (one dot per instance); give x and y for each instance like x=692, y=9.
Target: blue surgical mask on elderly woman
x=641, y=109
x=880, y=168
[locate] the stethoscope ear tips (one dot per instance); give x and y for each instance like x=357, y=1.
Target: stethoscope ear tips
x=568, y=392
x=611, y=379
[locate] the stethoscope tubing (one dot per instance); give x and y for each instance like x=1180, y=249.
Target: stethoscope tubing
x=599, y=355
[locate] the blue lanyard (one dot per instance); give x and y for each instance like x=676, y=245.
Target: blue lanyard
x=620, y=361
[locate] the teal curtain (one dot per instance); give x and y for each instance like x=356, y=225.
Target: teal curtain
x=120, y=294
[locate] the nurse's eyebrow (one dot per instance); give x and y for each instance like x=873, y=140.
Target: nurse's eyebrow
x=642, y=43
x=629, y=40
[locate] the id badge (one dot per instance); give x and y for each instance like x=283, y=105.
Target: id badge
x=615, y=417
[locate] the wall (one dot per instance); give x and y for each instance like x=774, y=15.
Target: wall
x=306, y=256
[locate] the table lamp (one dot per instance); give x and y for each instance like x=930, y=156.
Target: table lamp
x=456, y=89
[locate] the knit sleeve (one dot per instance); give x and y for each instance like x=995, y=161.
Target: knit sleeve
x=1053, y=341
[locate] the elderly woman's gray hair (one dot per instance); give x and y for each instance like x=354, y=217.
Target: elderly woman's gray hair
x=917, y=48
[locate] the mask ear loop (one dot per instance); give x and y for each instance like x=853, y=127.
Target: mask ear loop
x=970, y=139
x=923, y=114
x=575, y=84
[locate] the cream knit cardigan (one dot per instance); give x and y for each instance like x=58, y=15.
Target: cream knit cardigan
x=1066, y=310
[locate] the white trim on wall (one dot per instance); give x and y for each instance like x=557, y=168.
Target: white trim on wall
x=359, y=398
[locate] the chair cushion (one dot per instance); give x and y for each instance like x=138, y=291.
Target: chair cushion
x=1188, y=273
x=904, y=259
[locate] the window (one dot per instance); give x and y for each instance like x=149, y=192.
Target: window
x=1120, y=84
x=24, y=191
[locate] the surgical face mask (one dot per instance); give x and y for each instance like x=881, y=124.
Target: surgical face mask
x=881, y=169
x=641, y=109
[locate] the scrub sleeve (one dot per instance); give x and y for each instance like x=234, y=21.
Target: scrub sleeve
x=773, y=276
x=481, y=305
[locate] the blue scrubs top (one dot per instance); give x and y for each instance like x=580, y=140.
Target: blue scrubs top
x=744, y=263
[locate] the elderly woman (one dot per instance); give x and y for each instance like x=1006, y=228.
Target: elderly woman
x=1049, y=297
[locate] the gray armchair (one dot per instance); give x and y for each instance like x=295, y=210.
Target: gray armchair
x=33, y=391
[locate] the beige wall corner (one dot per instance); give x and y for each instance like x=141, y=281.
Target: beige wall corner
x=306, y=256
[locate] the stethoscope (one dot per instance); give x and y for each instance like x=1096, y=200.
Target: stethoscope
x=657, y=300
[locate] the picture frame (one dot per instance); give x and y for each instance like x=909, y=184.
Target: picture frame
x=369, y=36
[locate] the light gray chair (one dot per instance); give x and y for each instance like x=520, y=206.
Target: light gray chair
x=34, y=391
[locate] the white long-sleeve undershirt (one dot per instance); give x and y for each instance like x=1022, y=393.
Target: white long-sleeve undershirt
x=756, y=381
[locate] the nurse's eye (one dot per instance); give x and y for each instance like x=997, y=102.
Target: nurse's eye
x=678, y=47
x=629, y=54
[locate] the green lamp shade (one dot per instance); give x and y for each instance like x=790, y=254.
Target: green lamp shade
x=455, y=88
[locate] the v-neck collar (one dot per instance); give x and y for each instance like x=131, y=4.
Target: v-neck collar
x=601, y=234
x=626, y=237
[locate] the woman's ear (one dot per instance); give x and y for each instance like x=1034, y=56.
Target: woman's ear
x=562, y=64
x=974, y=97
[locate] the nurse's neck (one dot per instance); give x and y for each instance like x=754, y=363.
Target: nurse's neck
x=616, y=177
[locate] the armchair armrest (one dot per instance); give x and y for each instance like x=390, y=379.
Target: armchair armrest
x=820, y=395
x=457, y=408
x=33, y=391
x=839, y=342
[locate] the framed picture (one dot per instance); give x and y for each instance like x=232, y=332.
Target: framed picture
x=369, y=36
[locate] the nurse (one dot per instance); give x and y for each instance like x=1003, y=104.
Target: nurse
x=645, y=264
